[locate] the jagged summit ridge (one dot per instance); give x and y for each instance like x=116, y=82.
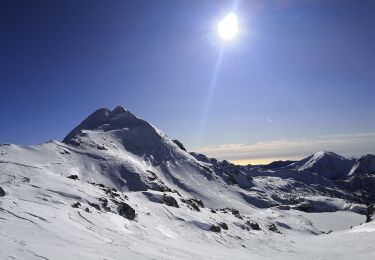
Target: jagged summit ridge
x=105, y=120
x=119, y=132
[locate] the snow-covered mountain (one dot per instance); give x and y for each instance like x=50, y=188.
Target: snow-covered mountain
x=327, y=164
x=363, y=166
x=119, y=188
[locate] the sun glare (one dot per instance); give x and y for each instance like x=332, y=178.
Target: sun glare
x=228, y=27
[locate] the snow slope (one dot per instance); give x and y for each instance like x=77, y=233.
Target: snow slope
x=37, y=221
x=119, y=188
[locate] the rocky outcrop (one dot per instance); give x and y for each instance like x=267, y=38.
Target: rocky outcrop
x=215, y=228
x=170, y=201
x=272, y=227
x=126, y=211
x=2, y=192
x=223, y=225
x=76, y=205
x=179, y=144
x=253, y=225
x=370, y=213
x=195, y=204
x=73, y=177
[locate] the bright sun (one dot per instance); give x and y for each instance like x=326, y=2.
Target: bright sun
x=228, y=27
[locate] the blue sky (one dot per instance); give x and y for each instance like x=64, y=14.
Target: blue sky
x=298, y=72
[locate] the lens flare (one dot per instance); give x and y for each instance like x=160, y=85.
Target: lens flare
x=228, y=27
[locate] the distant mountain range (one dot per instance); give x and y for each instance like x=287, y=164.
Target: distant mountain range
x=323, y=172
x=117, y=168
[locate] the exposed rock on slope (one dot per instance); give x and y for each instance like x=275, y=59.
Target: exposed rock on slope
x=2, y=192
x=117, y=187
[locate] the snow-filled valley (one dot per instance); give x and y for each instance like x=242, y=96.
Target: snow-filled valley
x=119, y=188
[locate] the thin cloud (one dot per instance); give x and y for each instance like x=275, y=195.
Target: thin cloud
x=349, y=145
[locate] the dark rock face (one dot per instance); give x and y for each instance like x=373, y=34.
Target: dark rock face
x=231, y=180
x=236, y=213
x=223, y=225
x=194, y=203
x=152, y=176
x=76, y=205
x=228, y=171
x=26, y=179
x=126, y=211
x=179, y=144
x=73, y=177
x=370, y=213
x=2, y=192
x=244, y=227
x=155, y=183
x=112, y=192
x=170, y=201
x=104, y=202
x=215, y=228
x=199, y=202
x=273, y=228
x=99, y=147
x=254, y=226
x=164, y=188
x=97, y=206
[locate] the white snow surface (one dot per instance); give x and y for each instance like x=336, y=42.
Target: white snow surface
x=37, y=221
x=127, y=154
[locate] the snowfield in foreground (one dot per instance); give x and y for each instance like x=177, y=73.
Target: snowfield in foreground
x=118, y=188
x=38, y=221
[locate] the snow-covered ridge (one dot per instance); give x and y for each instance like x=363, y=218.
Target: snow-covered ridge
x=327, y=164
x=363, y=166
x=117, y=186
x=105, y=120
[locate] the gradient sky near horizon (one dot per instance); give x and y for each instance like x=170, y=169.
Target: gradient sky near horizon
x=298, y=78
